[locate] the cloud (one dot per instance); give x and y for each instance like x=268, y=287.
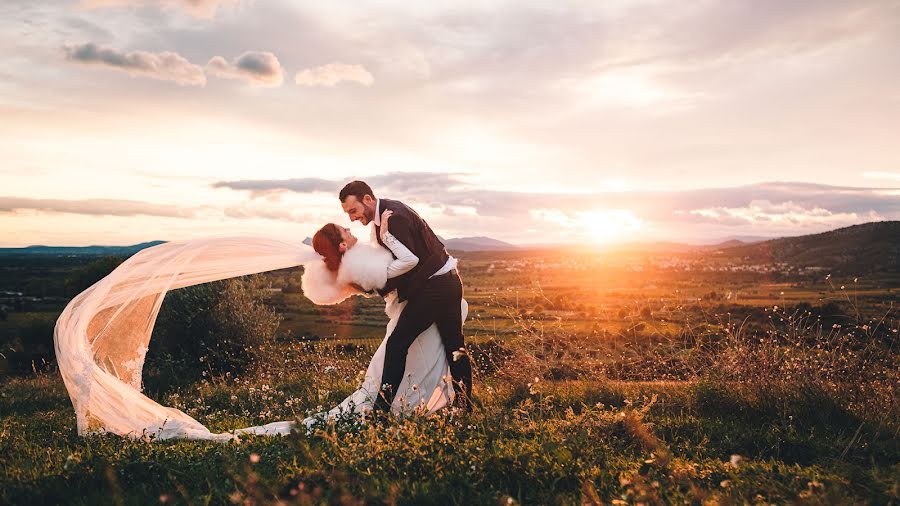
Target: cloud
x=94, y=207
x=259, y=68
x=198, y=8
x=404, y=183
x=165, y=66
x=271, y=211
x=763, y=212
x=884, y=176
x=332, y=74
x=764, y=209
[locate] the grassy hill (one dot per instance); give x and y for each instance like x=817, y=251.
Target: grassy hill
x=870, y=247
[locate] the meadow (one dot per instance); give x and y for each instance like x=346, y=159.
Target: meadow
x=631, y=378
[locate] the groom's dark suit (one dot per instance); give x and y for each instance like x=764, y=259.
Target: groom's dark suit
x=429, y=299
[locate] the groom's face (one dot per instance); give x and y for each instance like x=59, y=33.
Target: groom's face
x=360, y=210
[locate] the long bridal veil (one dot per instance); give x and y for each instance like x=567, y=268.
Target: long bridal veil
x=102, y=335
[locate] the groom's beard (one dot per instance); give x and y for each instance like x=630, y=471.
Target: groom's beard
x=369, y=215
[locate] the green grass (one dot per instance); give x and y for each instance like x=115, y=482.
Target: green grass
x=553, y=443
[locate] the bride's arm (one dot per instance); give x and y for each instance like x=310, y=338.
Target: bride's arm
x=405, y=261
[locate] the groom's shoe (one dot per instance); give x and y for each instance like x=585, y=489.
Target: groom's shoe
x=461, y=372
x=462, y=398
x=383, y=400
x=463, y=404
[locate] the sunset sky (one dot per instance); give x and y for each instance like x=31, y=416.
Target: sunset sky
x=123, y=121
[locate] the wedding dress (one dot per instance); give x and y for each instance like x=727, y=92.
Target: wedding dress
x=102, y=336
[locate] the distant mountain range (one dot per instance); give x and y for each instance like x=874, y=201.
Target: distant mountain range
x=858, y=248
x=465, y=244
x=123, y=251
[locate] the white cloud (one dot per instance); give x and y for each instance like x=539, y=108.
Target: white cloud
x=258, y=68
x=198, y=8
x=883, y=176
x=165, y=66
x=763, y=212
x=95, y=207
x=626, y=88
x=334, y=73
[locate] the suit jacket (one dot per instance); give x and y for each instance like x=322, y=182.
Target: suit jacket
x=410, y=229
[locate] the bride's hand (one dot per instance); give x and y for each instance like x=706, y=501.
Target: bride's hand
x=385, y=216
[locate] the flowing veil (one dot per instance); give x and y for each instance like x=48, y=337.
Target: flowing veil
x=102, y=336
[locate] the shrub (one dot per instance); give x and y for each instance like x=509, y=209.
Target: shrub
x=83, y=278
x=31, y=346
x=215, y=327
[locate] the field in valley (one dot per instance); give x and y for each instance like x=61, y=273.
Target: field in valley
x=602, y=377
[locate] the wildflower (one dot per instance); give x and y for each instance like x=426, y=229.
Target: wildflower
x=735, y=460
x=254, y=458
x=458, y=354
x=329, y=368
x=725, y=483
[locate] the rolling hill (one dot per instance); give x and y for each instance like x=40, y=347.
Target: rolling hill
x=480, y=243
x=869, y=247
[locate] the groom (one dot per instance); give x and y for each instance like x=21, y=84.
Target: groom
x=432, y=289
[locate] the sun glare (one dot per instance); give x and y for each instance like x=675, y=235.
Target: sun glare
x=610, y=225
x=599, y=226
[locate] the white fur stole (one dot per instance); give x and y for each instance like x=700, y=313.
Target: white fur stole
x=363, y=264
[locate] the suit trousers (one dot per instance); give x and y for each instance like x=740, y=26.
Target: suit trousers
x=438, y=302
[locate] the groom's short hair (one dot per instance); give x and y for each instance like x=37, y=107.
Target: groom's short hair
x=358, y=189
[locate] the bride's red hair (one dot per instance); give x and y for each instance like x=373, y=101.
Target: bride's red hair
x=327, y=243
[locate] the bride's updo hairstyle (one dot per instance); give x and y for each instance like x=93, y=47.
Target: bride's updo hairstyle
x=327, y=243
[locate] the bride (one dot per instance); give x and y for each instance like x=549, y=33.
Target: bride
x=347, y=268
x=102, y=336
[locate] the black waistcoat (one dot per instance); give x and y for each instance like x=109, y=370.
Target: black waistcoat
x=415, y=234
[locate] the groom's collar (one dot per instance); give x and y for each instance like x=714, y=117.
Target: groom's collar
x=377, y=219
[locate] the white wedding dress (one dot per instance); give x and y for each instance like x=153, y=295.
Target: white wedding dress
x=102, y=336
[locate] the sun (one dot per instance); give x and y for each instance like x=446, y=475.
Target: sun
x=598, y=226
x=612, y=225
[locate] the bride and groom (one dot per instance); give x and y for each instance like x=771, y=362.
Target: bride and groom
x=102, y=336
x=408, y=265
